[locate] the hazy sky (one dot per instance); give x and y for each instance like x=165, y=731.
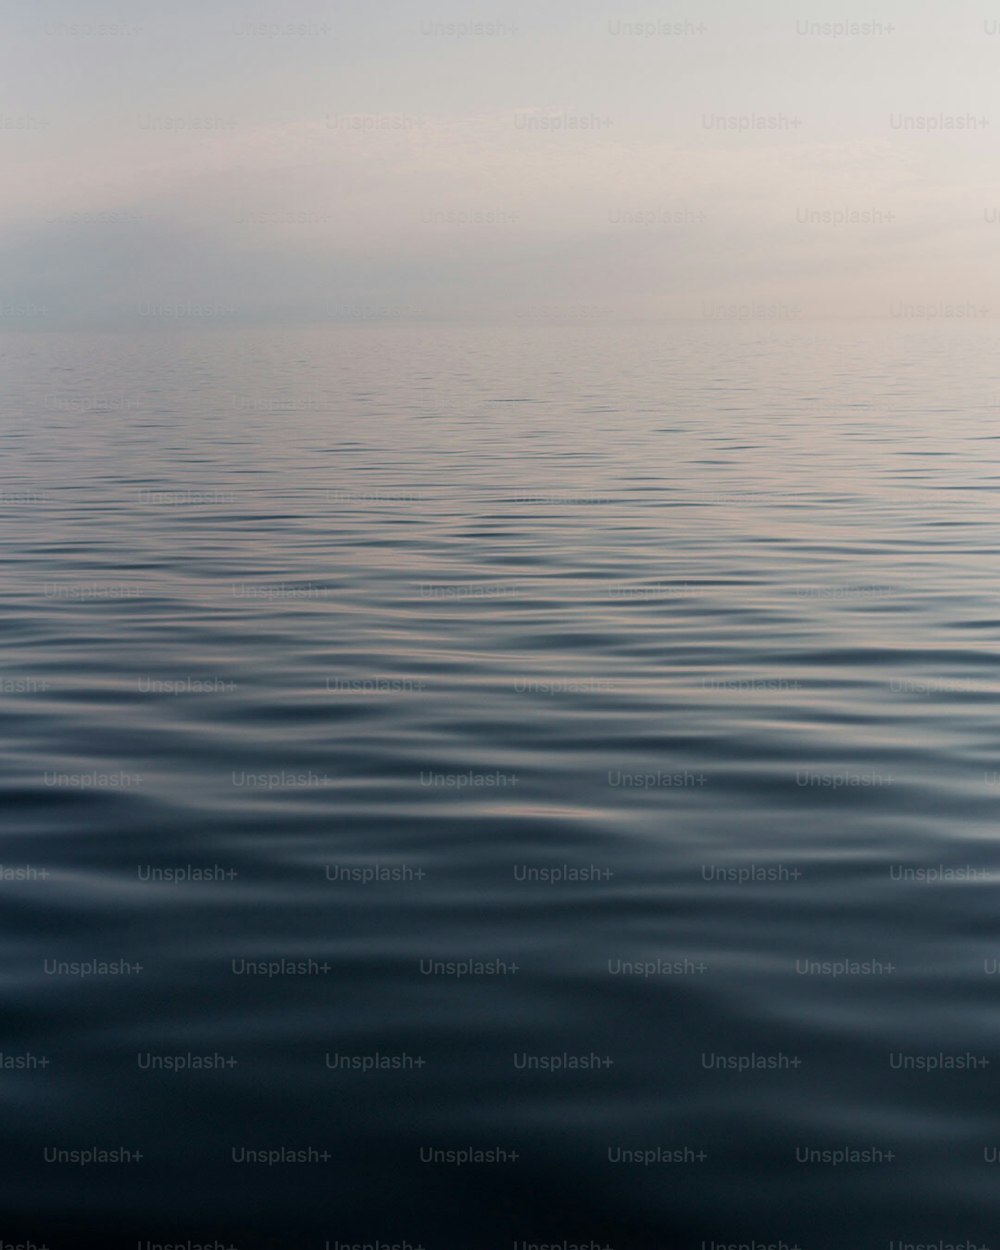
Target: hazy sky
x=381, y=159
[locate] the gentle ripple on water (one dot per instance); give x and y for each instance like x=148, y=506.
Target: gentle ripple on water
x=706, y=615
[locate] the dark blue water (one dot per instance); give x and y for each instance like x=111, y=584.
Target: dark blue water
x=490, y=787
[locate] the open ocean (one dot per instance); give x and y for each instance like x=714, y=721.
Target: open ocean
x=484, y=788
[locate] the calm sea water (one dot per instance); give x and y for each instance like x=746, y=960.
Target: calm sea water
x=467, y=787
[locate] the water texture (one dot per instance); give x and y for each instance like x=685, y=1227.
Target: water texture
x=572, y=746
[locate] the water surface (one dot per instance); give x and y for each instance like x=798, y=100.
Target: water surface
x=576, y=747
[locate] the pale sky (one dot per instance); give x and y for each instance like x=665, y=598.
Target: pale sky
x=277, y=162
